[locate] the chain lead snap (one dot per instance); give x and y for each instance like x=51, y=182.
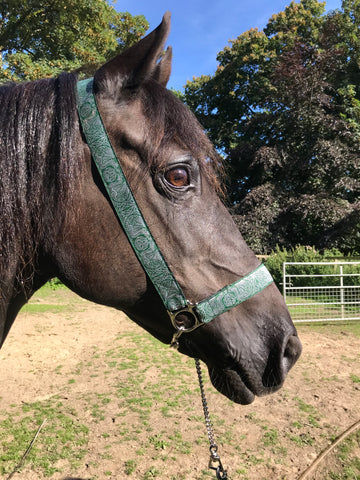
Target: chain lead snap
x=175, y=339
x=214, y=462
x=221, y=474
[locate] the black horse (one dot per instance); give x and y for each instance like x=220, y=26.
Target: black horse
x=57, y=220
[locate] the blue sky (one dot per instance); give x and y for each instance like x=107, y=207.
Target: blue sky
x=201, y=28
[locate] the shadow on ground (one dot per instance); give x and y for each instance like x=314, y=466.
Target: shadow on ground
x=75, y=478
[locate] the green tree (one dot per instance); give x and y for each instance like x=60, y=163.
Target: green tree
x=41, y=38
x=283, y=107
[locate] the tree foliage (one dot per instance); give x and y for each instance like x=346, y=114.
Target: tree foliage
x=41, y=38
x=284, y=108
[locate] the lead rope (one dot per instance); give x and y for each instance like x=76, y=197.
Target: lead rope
x=214, y=462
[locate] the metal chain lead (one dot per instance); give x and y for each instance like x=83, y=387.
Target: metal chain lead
x=214, y=462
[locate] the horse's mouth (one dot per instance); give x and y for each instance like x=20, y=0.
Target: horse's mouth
x=241, y=381
x=229, y=383
x=233, y=385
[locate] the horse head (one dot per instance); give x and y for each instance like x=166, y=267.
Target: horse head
x=173, y=173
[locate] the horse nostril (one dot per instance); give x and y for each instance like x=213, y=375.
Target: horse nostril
x=292, y=352
x=280, y=361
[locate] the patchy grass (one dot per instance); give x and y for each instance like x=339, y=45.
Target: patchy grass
x=140, y=415
x=335, y=328
x=52, y=297
x=344, y=463
x=43, y=307
x=63, y=437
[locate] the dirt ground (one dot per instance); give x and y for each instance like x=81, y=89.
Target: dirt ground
x=276, y=437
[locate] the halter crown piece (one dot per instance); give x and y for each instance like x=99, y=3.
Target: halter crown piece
x=140, y=237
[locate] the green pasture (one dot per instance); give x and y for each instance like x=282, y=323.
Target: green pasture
x=320, y=307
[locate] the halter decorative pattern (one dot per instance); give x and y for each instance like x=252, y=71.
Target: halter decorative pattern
x=139, y=235
x=124, y=202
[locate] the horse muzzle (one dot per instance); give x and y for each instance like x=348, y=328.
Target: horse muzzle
x=247, y=370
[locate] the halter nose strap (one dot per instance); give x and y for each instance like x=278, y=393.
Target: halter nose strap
x=140, y=237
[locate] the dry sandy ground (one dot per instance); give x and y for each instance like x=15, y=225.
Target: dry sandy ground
x=276, y=437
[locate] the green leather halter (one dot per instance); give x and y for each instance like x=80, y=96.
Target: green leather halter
x=140, y=237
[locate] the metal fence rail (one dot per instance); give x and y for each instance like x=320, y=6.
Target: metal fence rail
x=322, y=291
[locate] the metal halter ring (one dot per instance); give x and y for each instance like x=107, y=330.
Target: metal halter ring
x=192, y=321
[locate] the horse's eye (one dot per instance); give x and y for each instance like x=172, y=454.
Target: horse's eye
x=177, y=177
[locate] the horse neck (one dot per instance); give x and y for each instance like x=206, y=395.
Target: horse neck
x=38, y=175
x=38, y=166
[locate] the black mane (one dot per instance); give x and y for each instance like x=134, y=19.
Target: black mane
x=37, y=162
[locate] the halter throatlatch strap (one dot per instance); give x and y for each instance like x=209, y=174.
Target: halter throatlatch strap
x=140, y=237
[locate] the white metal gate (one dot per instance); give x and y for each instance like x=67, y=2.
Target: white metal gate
x=322, y=291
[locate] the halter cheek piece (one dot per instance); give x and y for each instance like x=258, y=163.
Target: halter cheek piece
x=141, y=239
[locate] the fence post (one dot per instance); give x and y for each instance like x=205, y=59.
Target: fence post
x=284, y=280
x=342, y=293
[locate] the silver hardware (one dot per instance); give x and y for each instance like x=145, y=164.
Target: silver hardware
x=214, y=462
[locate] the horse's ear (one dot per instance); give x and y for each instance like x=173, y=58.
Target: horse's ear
x=138, y=63
x=163, y=68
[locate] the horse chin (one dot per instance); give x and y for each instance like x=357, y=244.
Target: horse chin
x=230, y=384
x=228, y=381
